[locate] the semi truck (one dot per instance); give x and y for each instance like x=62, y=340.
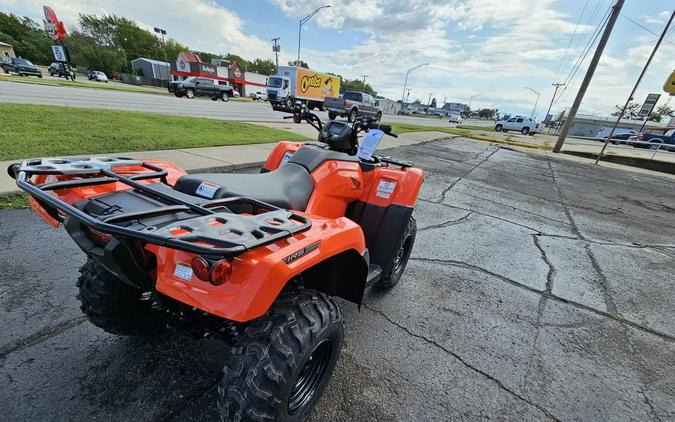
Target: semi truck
x=291, y=84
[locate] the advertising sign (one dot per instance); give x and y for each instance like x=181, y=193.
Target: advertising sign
x=316, y=85
x=207, y=69
x=649, y=105
x=53, y=26
x=59, y=53
x=669, y=86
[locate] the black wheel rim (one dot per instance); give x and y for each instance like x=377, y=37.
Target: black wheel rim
x=309, y=378
x=402, y=255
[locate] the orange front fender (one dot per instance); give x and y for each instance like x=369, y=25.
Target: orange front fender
x=257, y=275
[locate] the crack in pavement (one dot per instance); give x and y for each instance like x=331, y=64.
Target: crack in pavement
x=563, y=200
x=446, y=223
x=550, y=296
x=40, y=336
x=661, y=248
x=610, y=305
x=459, y=179
x=459, y=358
x=649, y=403
x=541, y=306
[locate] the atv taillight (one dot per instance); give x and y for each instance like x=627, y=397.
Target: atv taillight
x=220, y=272
x=200, y=268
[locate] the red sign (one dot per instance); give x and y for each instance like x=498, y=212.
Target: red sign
x=53, y=26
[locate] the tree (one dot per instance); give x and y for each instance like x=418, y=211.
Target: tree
x=27, y=38
x=302, y=63
x=631, y=112
x=486, y=113
x=264, y=67
x=661, y=113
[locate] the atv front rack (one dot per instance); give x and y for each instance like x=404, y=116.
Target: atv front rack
x=201, y=226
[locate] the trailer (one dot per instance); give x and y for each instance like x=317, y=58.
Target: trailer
x=291, y=84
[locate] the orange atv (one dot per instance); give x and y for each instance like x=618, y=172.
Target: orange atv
x=253, y=259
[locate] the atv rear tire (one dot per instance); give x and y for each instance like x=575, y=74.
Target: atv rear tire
x=115, y=306
x=398, y=264
x=282, y=360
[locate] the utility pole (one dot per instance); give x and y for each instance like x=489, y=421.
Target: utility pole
x=637, y=83
x=276, y=48
x=429, y=100
x=616, y=9
x=407, y=99
x=364, y=81
x=556, y=85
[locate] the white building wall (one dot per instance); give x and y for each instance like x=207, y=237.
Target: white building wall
x=256, y=78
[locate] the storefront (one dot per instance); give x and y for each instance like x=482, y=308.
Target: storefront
x=189, y=64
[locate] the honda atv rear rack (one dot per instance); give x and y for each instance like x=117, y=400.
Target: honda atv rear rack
x=214, y=230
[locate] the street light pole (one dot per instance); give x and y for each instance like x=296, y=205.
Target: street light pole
x=405, y=84
x=471, y=99
x=166, y=61
x=302, y=22
x=276, y=48
x=536, y=102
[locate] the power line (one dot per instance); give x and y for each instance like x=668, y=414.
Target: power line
x=582, y=58
x=557, y=72
x=647, y=29
x=583, y=36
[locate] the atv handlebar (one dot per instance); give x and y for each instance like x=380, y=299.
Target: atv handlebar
x=365, y=123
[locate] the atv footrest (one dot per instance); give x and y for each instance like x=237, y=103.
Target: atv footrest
x=374, y=273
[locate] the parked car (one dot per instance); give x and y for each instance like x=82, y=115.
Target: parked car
x=259, y=96
x=353, y=105
x=21, y=67
x=455, y=118
x=522, y=124
x=201, y=87
x=53, y=69
x=97, y=75
x=620, y=134
x=61, y=70
x=658, y=140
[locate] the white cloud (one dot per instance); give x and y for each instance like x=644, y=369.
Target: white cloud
x=659, y=19
x=201, y=24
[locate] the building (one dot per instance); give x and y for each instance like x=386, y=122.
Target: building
x=389, y=106
x=221, y=71
x=456, y=108
x=6, y=51
x=588, y=125
x=150, y=68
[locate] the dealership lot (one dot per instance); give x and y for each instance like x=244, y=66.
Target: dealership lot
x=538, y=289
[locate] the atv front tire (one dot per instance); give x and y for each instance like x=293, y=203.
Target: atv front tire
x=282, y=360
x=115, y=306
x=397, y=266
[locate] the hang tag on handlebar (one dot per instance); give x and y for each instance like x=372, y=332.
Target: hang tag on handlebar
x=369, y=144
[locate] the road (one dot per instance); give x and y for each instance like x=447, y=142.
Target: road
x=539, y=289
x=13, y=92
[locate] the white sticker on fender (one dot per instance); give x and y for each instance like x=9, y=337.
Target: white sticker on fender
x=183, y=271
x=207, y=189
x=385, y=188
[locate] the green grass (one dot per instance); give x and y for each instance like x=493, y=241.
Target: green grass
x=14, y=201
x=476, y=127
x=465, y=133
x=43, y=131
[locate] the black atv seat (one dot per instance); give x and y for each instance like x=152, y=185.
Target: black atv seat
x=288, y=187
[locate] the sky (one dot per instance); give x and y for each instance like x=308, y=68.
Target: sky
x=490, y=50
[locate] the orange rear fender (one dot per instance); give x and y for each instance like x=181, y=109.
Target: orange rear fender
x=260, y=274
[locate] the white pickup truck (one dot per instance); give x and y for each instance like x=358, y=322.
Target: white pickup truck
x=522, y=124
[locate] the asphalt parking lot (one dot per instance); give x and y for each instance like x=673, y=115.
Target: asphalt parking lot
x=538, y=290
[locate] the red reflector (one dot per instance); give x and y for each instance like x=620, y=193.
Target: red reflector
x=99, y=238
x=220, y=272
x=200, y=268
